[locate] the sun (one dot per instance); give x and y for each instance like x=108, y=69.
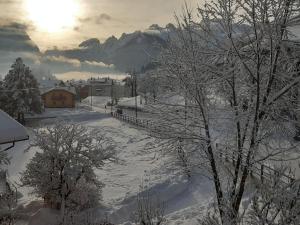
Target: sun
x=52, y=15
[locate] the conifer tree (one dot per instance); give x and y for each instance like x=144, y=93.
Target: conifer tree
x=22, y=89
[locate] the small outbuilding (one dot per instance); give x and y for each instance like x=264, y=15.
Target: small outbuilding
x=59, y=97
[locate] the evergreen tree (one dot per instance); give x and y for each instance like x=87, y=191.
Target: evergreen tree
x=24, y=95
x=3, y=97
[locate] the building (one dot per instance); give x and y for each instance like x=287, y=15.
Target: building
x=100, y=86
x=59, y=97
x=84, y=91
x=106, y=87
x=10, y=132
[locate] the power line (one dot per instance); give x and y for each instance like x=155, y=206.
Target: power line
x=24, y=89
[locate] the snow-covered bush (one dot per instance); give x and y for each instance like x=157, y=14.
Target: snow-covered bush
x=150, y=210
x=62, y=172
x=85, y=218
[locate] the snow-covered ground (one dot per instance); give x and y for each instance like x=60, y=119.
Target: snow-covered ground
x=130, y=102
x=137, y=164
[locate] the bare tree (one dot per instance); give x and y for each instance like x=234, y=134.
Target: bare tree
x=275, y=202
x=231, y=77
x=63, y=171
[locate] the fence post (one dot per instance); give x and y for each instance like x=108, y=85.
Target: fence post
x=262, y=173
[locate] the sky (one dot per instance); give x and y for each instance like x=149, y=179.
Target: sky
x=65, y=23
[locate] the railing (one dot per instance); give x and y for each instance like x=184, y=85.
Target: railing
x=144, y=123
x=261, y=170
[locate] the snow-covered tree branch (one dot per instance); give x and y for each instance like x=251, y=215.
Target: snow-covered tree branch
x=63, y=171
x=232, y=76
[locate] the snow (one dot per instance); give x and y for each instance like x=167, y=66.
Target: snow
x=68, y=89
x=130, y=102
x=137, y=164
x=99, y=101
x=10, y=129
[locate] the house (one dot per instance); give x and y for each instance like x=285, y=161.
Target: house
x=100, y=86
x=84, y=91
x=106, y=87
x=59, y=97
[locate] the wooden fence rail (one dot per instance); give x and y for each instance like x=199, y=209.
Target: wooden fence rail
x=263, y=171
x=144, y=123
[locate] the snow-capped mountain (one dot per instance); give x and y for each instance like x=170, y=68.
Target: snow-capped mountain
x=130, y=52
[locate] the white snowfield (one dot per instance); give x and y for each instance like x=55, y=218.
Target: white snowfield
x=185, y=200
x=130, y=102
x=138, y=165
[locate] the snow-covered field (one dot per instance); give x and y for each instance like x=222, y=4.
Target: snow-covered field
x=130, y=102
x=184, y=199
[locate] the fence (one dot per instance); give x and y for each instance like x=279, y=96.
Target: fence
x=261, y=170
x=144, y=123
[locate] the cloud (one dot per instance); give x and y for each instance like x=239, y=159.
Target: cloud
x=94, y=20
x=10, y=1
x=77, y=28
x=100, y=19
x=62, y=64
x=85, y=19
x=15, y=42
x=87, y=75
x=62, y=60
x=14, y=37
x=100, y=64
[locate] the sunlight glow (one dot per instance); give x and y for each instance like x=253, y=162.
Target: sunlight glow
x=53, y=15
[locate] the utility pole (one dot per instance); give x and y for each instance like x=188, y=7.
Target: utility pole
x=135, y=94
x=111, y=95
x=91, y=87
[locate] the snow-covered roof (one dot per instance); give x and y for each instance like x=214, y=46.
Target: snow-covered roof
x=68, y=89
x=49, y=83
x=10, y=130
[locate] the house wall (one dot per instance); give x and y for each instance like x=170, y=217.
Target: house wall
x=101, y=90
x=84, y=92
x=59, y=99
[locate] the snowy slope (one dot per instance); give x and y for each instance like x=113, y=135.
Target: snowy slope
x=137, y=164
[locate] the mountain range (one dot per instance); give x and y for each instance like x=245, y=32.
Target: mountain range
x=132, y=51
